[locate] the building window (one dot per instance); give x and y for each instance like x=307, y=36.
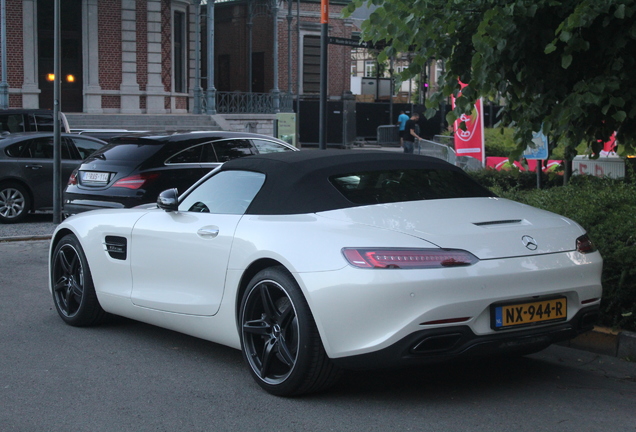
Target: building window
x=439, y=69
x=369, y=68
x=180, y=49
x=311, y=64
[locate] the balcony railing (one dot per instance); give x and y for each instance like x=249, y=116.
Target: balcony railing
x=249, y=103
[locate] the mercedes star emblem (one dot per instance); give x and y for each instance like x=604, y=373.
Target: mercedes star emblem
x=529, y=242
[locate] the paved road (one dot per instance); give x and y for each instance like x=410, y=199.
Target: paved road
x=128, y=376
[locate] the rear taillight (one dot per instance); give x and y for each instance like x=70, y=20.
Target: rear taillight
x=72, y=180
x=584, y=244
x=136, y=181
x=408, y=258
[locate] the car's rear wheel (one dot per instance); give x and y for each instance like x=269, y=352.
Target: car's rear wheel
x=279, y=337
x=15, y=202
x=73, y=290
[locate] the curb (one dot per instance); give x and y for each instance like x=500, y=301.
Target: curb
x=26, y=238
x=604, y=340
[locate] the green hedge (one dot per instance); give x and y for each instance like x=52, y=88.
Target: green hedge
x=606, y=208
x=511, y=180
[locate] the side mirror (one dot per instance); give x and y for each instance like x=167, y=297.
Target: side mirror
x=168, y=200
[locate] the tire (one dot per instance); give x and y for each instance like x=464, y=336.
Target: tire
x=279, y=338
x=73, y=290
x=15, y=203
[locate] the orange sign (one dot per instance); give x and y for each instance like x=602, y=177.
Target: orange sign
x=324, y=12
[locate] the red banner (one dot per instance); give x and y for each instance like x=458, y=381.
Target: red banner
x=470, y=142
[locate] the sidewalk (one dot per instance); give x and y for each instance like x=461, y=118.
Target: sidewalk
x=601, y=340
x=38, y=226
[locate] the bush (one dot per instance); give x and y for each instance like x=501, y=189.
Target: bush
x=512, y=180
x=606, y=209
x=498, y=141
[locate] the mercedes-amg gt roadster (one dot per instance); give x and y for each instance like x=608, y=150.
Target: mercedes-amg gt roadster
x=315, y=262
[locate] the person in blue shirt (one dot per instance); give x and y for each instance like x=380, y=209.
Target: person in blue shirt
x=402, y=119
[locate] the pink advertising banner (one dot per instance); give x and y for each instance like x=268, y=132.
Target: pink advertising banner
x=503, y=163
x=470, y=142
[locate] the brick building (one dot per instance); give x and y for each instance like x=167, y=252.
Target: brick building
x=138, y=56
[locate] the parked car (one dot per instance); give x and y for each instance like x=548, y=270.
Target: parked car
x=105, y=134
x=134, y=168
x=29, y=120
x=26, y=170
x=316, y=261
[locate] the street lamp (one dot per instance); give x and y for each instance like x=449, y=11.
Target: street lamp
x=211, y=94
x=197, y=57
x=4, y=85
x=275, y=90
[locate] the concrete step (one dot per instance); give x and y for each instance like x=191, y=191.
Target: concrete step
x=150, y=122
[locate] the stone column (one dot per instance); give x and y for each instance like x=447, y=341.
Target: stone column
x=155, y=91
x=90, y=51
x=129, y=87
x=30, y=85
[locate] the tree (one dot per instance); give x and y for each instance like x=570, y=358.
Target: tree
x=567, y=66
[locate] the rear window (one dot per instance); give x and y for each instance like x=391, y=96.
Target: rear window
x=388, y=186
x=127, y=152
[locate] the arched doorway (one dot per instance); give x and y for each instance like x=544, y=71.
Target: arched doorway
x=71, y=98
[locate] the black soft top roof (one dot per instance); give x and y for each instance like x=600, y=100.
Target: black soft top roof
x=298, y=182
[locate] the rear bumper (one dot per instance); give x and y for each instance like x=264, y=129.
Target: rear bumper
x=457, y=342
x=75, y=202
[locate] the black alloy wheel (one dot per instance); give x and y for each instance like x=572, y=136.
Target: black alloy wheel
x=73, y=290
x=279, y=337
x=15, y=203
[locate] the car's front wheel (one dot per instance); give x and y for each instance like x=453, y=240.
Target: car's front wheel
x=279, y=337
x=14, y=203
x=73, y=290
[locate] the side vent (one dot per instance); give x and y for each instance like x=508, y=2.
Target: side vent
x=116, y=247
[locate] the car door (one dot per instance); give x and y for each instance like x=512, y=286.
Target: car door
x=37, y=168
x=179, y=259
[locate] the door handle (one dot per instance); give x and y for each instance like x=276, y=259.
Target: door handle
x=34, y=167
x=208, y=232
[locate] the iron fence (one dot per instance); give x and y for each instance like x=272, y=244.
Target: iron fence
x=388, y=135
x=249, y=103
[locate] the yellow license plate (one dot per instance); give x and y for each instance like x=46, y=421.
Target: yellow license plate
x=520, y=314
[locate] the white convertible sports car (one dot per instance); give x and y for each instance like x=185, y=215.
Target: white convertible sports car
x=313, y=262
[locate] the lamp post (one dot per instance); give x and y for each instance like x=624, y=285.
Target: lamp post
x=275, y=90
x=324, y=50
x=4, y=85
x=250, y=66
x=197, y=57
x=57, y=139
x=211, y=93
x=290, y=17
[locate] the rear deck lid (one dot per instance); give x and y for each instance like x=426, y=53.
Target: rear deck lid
x=489, y=228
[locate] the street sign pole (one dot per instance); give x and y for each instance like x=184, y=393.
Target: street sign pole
x=57, y=140
x=324, y=50
x=4, y=85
